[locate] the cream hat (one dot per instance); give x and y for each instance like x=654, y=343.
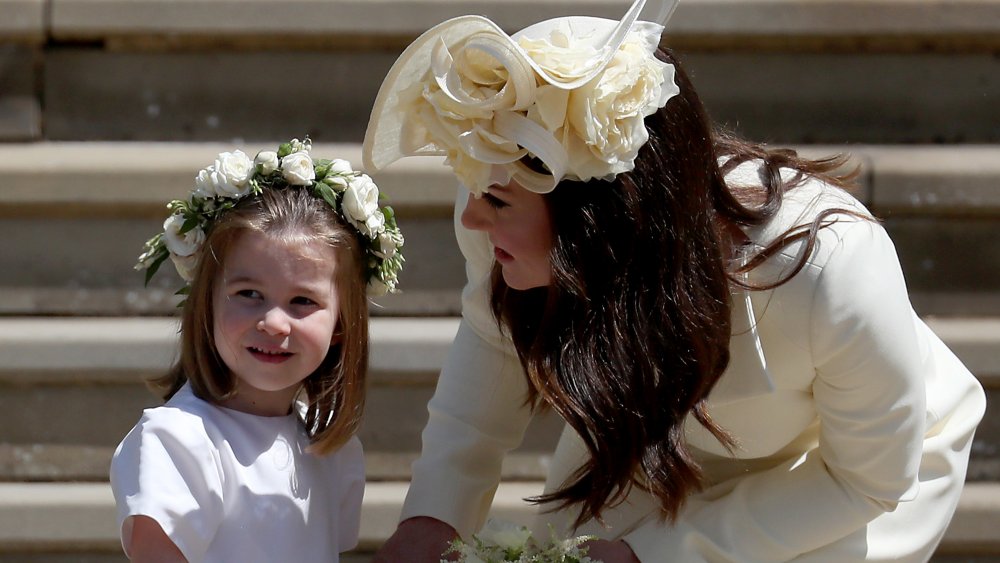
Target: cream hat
x=570, y=92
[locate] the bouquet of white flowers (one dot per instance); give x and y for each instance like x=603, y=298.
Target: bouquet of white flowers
x=504, y=542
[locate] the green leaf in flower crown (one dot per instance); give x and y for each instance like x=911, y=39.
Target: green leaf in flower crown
x=390, y=217
x=322, y=169
x=284, y=149
x=189, y=223
x=326, y=192
x=155, y=265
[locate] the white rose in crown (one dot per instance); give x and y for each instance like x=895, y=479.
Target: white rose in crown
x=297, y=169
x=340, y=166
x=185, y=265
x=388, y=243
x=181, y=244
x=607, y=114
x=340, y=175
x=228, y=177
x=267, y=161
x=361, y=205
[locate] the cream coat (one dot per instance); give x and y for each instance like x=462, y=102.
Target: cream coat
x=854, y=421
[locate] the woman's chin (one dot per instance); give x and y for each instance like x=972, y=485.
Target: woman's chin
x=520, y=282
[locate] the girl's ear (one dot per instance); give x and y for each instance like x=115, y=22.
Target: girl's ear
x=338, y=334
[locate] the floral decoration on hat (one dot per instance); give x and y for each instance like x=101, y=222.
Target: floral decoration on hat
x=571, y=93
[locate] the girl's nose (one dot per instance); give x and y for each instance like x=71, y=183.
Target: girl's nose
x=476, y=216
x=275, y=322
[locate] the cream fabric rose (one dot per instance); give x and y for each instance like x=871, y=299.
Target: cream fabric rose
x=361, y=203
x=297, y=169
x=267, y=160
x=607, y=114
x=181, y=245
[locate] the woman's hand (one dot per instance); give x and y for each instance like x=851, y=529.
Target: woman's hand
x=610, y=551
x=420, y=539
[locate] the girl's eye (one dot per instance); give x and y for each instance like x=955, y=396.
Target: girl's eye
x=249, y=293
x=302, y=301
x=493, y=201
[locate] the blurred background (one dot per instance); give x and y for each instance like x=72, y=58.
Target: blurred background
x=108, y=108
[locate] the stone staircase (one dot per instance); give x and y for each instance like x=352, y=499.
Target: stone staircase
x=108, y=107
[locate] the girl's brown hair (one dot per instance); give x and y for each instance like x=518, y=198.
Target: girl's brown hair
x=335, y=392
x=633, y=331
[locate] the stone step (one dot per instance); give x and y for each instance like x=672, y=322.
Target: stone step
x=79, y=518
x=169, y=69
x=108, y=198
x=91, y=93
x=56, y=372
x=974, y=22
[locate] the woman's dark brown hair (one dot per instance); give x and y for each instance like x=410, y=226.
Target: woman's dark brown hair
x=633, y=331
x=335, y=392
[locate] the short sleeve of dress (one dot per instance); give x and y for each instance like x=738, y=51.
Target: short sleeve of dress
x=165, y=469
x=351, y=466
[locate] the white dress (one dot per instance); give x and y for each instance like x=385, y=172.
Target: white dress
x=854, y=421
x=231, y=486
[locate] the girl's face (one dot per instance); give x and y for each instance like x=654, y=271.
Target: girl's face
x=518, y=225
x=276, y=315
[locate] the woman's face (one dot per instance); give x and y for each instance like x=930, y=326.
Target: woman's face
x=519, y=228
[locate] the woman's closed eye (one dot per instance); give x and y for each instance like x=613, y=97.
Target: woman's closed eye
x=493, y=201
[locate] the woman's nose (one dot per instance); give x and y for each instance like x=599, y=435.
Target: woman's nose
x=275, y=322
x=476, y=216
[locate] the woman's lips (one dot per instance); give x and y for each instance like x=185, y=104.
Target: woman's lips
x=270, y=357
x=501, y=255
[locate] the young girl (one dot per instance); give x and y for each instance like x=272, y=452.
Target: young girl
x=724, y=329
x=254, y=455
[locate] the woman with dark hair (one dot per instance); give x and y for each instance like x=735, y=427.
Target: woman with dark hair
x=724, y=329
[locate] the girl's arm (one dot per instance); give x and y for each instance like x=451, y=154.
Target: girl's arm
x=150, y=544
x=869, y=394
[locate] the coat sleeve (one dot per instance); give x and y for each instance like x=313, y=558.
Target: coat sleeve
x=870, y=398
x=478, y=411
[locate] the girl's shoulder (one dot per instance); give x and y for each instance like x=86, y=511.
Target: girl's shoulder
x=184, y=421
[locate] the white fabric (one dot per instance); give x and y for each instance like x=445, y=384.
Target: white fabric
x=230, y=486
x=854, y=420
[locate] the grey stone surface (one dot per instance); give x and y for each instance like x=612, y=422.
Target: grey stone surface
x=949, y=262
x=769, y=96
x=924, y=180
x=95, y=18
x=20, y=112
x=80, y=517
x=23, y=20
x=836, y=98
x=219, y=96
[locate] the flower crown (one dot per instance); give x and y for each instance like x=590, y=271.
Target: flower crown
x=571, y=92
x=235, y=176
